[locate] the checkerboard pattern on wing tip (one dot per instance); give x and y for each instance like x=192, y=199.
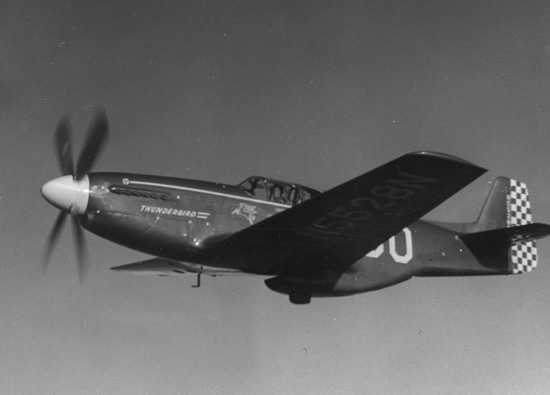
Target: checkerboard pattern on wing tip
x=523, y=254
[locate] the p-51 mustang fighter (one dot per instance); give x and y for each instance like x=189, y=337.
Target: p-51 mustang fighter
x=362, y=235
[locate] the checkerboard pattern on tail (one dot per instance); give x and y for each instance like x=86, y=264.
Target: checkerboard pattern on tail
x=523, y=253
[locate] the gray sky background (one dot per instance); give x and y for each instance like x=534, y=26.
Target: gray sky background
x=307, y=91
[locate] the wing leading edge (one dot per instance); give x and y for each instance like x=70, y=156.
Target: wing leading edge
x=355, y=217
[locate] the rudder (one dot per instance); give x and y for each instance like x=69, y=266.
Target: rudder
x=524, y=253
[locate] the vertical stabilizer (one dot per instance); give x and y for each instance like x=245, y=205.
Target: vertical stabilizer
x=495, y=211
x=508, y=206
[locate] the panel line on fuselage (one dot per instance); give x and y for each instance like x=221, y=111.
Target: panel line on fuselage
x=208, y=192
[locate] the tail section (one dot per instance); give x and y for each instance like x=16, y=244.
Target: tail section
x=507, y=250
x=503, y=237
x=507, y=205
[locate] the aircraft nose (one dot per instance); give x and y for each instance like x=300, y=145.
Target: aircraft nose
x=67, y=194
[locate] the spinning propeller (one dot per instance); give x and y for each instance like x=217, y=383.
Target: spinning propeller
x=69, y=193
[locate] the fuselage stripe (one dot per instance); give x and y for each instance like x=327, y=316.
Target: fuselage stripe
x=208, y=192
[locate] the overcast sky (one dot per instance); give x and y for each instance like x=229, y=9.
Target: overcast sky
x=315, y=92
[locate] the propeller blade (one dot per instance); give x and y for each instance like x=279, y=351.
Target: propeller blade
x=81, y=251
x=53, y=237
x=97, y=137
x=64, y=146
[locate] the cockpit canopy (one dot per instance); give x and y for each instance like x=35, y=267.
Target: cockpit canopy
x=277, y=191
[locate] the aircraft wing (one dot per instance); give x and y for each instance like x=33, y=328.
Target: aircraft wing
x=355, y=217
x=168, y=267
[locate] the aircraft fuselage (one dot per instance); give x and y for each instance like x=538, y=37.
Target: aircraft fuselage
x=169, y=217
x=180, y=220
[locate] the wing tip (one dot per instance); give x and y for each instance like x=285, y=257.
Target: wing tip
x=446, y=157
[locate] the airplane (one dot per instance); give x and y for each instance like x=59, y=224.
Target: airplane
x=363, y=235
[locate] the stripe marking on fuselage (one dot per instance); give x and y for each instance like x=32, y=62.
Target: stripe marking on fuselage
x=155, y=184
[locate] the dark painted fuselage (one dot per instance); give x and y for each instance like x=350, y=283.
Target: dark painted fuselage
x=181, y=220
x=172, y=218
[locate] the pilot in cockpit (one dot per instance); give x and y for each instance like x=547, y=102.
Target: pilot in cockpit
x=277, y=195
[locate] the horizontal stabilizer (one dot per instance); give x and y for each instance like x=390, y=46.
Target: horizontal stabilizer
x=509, y=236
x=507, y=249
